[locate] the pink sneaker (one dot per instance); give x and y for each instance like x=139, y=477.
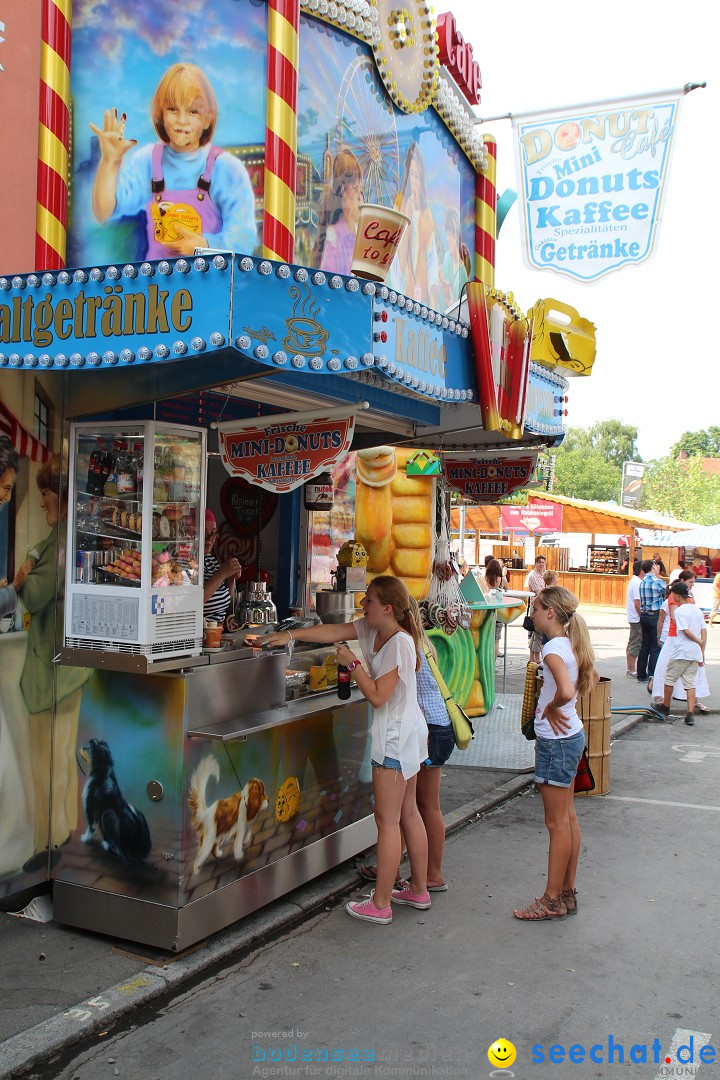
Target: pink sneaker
x=365, y=909
x=412, y=899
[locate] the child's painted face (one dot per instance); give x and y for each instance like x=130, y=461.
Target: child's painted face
x=184, y=126
x=352, y=199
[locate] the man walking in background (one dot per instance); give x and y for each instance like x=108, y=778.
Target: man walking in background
x=633, y=617
x=652, y=594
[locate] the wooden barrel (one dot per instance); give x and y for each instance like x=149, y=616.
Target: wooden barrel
x=594, y=709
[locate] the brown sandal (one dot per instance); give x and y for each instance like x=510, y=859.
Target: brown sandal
x=369, y=872
x=569, y=898
x=547, y=907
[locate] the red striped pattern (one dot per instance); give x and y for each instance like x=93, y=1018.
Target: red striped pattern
x=55, y=115
x=280, y=158
x=278, y=238
x=25, y=443
x=486, y=192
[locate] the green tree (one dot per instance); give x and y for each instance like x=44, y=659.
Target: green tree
x=617, y=442
x=703, y=443
x=614, y=441
x=586, y=474
x=683, y=490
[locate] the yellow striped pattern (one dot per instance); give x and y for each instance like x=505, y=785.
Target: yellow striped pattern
x=52, y=152
x=486, y=219
x=282, y=36
x=55, y=73
x=281, y=119
x=50, y=230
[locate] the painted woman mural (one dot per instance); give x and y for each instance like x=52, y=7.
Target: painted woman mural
x=416, y=269
x=43, y=585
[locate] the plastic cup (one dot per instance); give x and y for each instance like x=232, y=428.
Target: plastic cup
x=379, y=232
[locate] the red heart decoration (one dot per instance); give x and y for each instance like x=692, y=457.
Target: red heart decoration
x=244, y=506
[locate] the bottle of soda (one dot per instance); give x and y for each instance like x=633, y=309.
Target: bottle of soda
x=343, y=683
x=110, y=488
x=90, y=482
x=97, y=480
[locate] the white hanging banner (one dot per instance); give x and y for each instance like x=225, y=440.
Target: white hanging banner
x=592, y=181
x=281, y=452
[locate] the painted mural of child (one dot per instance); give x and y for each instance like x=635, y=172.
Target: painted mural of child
x=194, y=194
x=456, y=265
x=338, y=216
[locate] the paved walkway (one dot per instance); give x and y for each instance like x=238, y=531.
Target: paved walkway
x=61, y=985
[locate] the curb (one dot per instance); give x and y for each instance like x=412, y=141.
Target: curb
x=39, y=1044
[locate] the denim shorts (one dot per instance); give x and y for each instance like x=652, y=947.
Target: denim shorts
x=387, y=763
x=556, y=760
x=441, y=743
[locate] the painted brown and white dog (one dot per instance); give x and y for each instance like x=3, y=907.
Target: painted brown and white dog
x=226, y=820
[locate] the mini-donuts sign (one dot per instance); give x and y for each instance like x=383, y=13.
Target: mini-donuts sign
x=485, y=480
x=280, y=453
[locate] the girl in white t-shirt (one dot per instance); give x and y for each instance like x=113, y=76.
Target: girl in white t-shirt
x=569, y=670
x=389, y=635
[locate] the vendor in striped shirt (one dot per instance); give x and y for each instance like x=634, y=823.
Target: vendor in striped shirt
x=216, y=594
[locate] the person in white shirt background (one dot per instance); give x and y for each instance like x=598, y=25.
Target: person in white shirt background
x=633, y=617
x=688, y=651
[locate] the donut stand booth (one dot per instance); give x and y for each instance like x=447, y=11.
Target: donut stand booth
x=304, y=337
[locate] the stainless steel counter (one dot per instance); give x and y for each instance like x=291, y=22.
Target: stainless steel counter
x=310, y=705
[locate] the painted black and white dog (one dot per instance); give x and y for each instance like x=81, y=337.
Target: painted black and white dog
x=122, y=828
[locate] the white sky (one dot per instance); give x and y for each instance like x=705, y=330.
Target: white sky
x=657, y=351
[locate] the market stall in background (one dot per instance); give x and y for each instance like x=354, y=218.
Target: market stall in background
x=209, y=380
x=595, y=566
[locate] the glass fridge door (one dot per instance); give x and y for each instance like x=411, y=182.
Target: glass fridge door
x=108, y=493
x=176, y=508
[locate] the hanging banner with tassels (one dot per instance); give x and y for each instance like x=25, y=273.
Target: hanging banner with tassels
x=592, y=181
x=486, y=480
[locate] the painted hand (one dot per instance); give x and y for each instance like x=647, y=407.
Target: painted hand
x=113, y=144
x=187, y=242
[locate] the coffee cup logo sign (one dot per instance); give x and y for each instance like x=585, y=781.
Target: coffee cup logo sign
x=280, y=454
x=305, y=335
x=485, y=480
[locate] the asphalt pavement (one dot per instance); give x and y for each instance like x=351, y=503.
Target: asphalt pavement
x=68, y=996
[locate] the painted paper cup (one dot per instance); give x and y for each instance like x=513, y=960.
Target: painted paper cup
x=379, y=232
x=212, y=636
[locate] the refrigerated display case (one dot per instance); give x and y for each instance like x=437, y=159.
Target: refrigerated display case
x=136, y=513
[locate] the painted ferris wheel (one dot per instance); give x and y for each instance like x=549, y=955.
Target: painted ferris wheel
x=366, y=126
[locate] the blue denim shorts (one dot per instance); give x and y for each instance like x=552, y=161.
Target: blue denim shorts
x=556, y=760
x=441, y=743
x=388, y=763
